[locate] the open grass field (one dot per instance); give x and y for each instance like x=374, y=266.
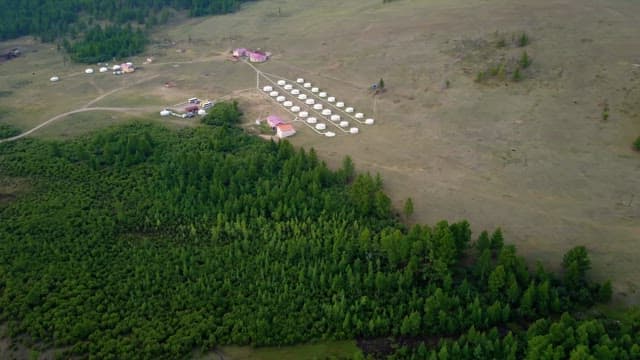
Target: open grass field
x=534, y=157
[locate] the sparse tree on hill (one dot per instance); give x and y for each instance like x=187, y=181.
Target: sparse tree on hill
x=381, y=84
x=408, y=208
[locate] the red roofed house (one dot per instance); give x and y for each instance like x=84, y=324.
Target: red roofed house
x=274, y=121
x=285, y=130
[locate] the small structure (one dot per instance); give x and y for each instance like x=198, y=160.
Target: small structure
x=344, y=124
x=274, y=94
x=165, y=112
x=302, y=97
x=312, y=120
x=354, y=130
x=287, y=104
x=317, y=107
x=54, y=79
x=309, y=101
x=127, y=68
x=326, y=112
x=335, y=118
x=330, y=134
x=193, y=100
x=340, y=104
x=88, y=71
x=240, y=52
x=288, y=87
x=295, y=108
x=267, y=88
x=303, y=114
x=207, y=104
x=331, y=99
x=191, y=109
x=285, y=130
x=295, y=92
x=274, y=121
x=323, y=94
x=202, y=112
x=281, y=98
x=369, y=121
x=258, y=56
x=282, y=83
x=315, y=90
x=116, y=68
x=359, y=115
x=103, y=69
x=307, y=85
x=321, y=126
x=300, y=80
x=349, y=110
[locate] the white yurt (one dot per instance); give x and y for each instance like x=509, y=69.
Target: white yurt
x=287, y=104
x=165, y=112
x=274, y=94
x=54, y=79
x=323, y=94
x=281, y=98
x=103, y=69
x=267, y=88
x=330, y=134
x=317, y=107
x=302, y=97
x=295, y=92
x=349, y=110
x=331, y=99
x=335, y=117
x=312, y=120
x=340, y=104
x=88, y=71
x=115, y=67
x=282, y=82
x=288, y=87
x=326, y=112
x=309, y=101
x=315, y=90
x=369, y=121
x=354, y=130
x=306, y=85
x=202, y=112
x=303, y=114
x=344, y=124
x=295, y=108
x=321, y=126
x=359, y=115
x=300, y=80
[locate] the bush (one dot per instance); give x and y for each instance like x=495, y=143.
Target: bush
x=223, y=114
x=636, y=144
x=7, y=131
x=523, y=40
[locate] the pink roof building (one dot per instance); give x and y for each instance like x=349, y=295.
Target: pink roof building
x=240, y=52
x=257, y=56
x=274, y=121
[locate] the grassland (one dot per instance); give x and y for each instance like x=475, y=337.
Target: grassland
x=534, y=157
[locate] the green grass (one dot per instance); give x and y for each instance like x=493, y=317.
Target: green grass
x=323, y=350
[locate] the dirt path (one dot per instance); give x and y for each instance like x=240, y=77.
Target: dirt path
x=76, y=111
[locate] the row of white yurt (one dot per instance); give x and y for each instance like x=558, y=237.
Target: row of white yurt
x=295, y=108
x=312, y=120
x=344, y=124
x=331, y=99
x=323, y=94
x=307, y=85
x=295, y=92
x=281, y=99
x=288, y=87
x=309, y=101
x=303, y=114
x=335, y=117
x=326, y=112
x=321, y=126
x=369, y=121
x=315, y=90
x=330, y=134
x=354, y=130
x=349, y=110
x=267, y=88
x=274, y=93
x=300, y=80
x=281, y=83
x=359, y=115
x=287, y=104
x=340, y=104
x=302, y=97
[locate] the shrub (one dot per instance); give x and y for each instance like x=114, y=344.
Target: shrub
x=517, y=76
x=525, y=60
x=636, y=144
x=523, y=40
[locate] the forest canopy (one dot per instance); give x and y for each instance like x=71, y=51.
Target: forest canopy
x=142, y=242
x=51, y=20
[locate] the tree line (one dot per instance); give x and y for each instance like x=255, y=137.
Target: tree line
x=142, y=242
x=53, y=20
